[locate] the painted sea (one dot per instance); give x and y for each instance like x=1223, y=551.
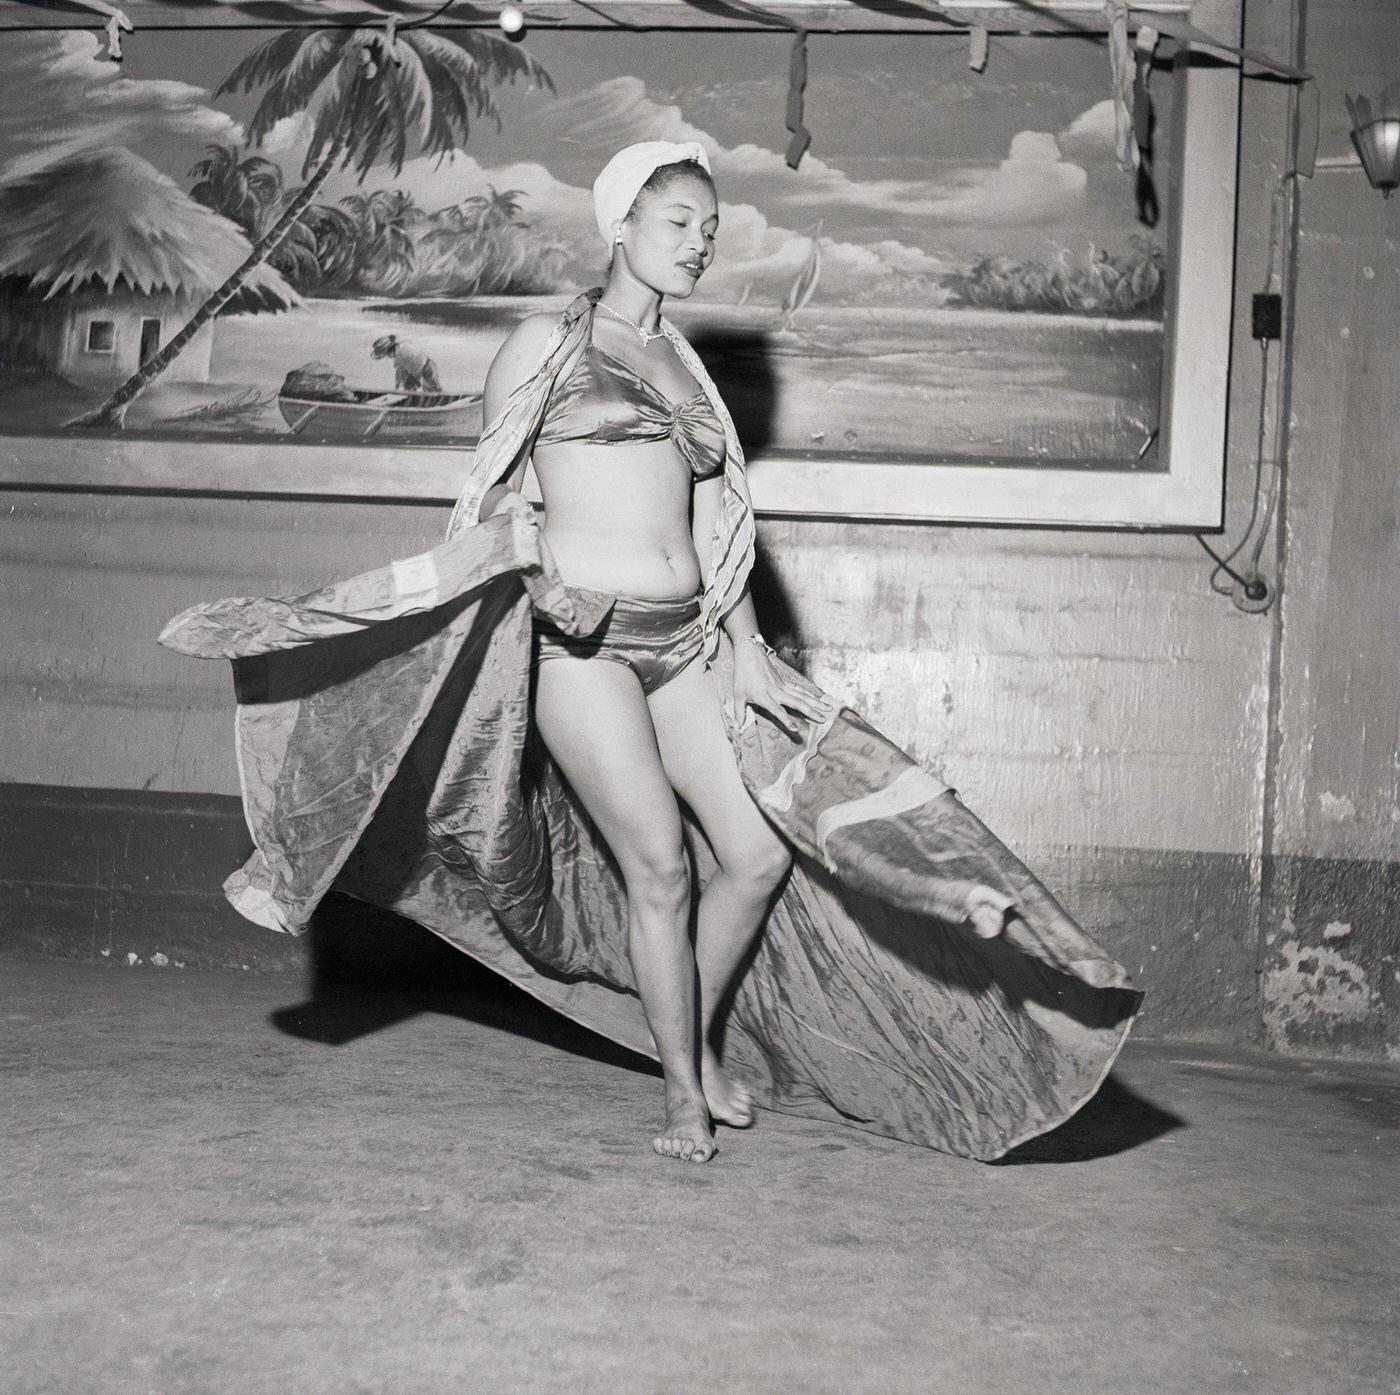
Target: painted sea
x=947, y=384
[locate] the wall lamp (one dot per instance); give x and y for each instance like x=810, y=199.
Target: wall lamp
x=1376, y=136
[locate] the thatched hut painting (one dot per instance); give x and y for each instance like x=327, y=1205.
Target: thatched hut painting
x=103, y=258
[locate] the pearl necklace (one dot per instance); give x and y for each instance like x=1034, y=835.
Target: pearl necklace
x=646, y=334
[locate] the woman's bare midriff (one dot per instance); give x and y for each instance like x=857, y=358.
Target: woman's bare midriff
x=617, y=517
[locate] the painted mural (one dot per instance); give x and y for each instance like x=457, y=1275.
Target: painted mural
x=318, y=236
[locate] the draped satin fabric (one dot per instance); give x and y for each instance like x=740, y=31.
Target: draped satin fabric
x=386, y=750
x=508, y=437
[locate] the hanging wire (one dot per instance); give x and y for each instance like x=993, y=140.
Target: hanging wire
x=1222, y=564
x=1280, y=207
x=1300, y=155
x=426, y=19
x=612, y=18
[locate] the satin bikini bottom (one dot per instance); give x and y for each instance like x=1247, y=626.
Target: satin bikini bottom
x=655, y=639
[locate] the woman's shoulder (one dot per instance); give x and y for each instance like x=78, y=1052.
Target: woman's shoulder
x=530, y=333
x=534, y=329
x=520, y=352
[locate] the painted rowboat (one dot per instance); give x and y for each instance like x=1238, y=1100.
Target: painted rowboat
x=370, y=412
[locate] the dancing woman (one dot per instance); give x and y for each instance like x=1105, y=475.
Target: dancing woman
x=630, y=463
x=525, y=738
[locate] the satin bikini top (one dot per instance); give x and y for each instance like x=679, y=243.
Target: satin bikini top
x=607, y=402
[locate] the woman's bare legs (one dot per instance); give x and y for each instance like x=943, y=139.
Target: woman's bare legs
x=752, y=860
x=594, y=720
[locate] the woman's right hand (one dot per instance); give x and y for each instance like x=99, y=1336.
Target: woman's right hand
x=494, y=501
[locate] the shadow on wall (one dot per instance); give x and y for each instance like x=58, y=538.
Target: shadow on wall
x=740, y=361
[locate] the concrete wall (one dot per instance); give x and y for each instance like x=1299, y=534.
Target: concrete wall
x=1332, y=907
x=1213, y=793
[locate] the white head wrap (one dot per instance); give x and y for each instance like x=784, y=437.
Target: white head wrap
x=621, y=179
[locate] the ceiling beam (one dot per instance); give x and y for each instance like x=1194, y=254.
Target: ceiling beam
x=817, y=16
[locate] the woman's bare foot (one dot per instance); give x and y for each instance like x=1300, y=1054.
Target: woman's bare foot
x=687, y=1134
x=729, y=1101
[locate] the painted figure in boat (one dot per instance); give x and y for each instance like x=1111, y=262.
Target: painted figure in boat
x=414, y=371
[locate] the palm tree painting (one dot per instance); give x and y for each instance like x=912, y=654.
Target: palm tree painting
x=374, y=96
x=241, y=187
x=385, y=223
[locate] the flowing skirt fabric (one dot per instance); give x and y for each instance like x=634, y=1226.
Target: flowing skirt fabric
x=386, y=750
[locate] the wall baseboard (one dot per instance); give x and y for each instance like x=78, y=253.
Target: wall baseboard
x=133, y=878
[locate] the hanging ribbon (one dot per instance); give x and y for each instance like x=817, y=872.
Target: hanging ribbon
x=1173, y=26
x=1149, y=206
x=1130, y=71
x=977, y=48
x=797, y=75
x=115, y=25
x=1144, y=51
x=1121, y=67
x=797, y=86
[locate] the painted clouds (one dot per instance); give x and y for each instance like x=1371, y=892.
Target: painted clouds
x=882, y=236
x=87, y=104
x=577, y=133
x=919, y=168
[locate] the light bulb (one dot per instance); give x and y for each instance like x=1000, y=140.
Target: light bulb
x=511, y=19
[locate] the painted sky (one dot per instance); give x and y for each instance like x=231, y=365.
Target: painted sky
x=917, y=165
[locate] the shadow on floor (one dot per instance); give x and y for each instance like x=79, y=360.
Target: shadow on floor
x=338, y=1014
x=1114, y=1121
x=371, y=969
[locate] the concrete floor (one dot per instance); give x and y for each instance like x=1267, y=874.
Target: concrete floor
x=210, y=1186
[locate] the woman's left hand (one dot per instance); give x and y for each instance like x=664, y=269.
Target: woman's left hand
x=762, y=682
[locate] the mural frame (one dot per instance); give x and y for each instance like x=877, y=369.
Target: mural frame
x=1188, y=494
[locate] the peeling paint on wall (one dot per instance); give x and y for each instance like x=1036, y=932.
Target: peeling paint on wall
x=1314, y=992
x=1337, y=808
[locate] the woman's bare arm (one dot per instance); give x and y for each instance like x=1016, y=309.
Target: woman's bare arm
x=515, y=361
